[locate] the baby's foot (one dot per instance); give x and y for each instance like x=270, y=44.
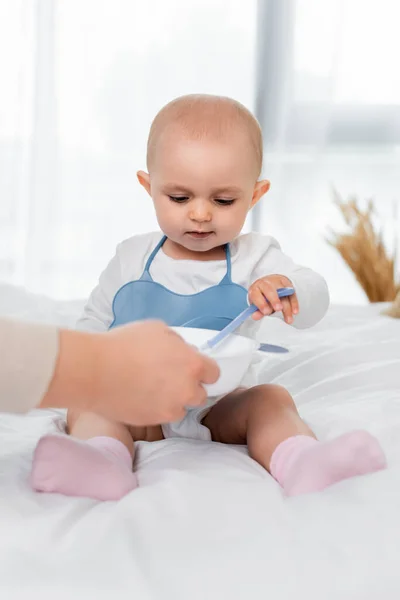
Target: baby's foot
x=302, y=464
x=100, y=468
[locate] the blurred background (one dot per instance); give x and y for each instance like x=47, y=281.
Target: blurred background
x=81, y=81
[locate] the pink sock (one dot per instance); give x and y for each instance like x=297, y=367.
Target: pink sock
x=100, y=468
x=302, y=465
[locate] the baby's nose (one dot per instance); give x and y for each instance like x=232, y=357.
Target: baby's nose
x=200, y=211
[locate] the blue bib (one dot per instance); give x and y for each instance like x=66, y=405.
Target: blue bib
x=213, y=308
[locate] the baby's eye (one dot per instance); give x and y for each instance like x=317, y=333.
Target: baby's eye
x=179, y=199
x=224, y=201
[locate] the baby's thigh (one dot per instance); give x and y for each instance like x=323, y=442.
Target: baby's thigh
x=228, y=419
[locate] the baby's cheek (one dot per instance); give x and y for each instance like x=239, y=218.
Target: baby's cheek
x=230, y=229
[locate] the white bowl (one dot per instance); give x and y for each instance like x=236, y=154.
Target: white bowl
x=233, y=356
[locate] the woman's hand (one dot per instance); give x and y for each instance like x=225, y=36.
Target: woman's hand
x=139, y=374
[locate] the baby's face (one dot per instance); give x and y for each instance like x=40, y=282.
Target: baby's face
x=202, y=189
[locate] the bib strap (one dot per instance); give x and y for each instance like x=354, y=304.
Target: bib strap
x=228, y=275
x=146, y=273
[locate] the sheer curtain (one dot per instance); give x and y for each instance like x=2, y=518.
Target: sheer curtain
x=81, y=81
x=328, y=98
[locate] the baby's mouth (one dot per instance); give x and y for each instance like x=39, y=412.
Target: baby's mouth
x=199, y=235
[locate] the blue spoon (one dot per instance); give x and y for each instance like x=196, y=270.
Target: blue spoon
x=233, y=325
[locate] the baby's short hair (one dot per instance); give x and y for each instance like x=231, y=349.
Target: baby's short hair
x=203, y=115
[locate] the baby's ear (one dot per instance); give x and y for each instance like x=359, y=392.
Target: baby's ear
x=260, y=189
x=144, y=180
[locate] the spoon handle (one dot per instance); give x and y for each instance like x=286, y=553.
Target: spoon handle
x=233, y=325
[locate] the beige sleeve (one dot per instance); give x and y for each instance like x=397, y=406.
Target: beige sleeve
x=28, y=355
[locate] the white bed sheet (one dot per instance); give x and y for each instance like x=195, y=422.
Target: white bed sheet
x=207, y=521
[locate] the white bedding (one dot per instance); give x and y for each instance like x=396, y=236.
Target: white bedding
x=207, y=521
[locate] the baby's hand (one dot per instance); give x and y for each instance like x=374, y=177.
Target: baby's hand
x=263, y=294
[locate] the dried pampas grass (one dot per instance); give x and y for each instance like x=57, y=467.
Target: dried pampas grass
x=363, y=250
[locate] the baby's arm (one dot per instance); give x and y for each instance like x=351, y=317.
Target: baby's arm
x=310, y=287
x=312, y=295
x=98, y=313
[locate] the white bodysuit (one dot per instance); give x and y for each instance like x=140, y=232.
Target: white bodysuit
x=253, y=256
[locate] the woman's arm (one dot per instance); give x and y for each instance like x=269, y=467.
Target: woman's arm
x=28, y=355
x=142, y=374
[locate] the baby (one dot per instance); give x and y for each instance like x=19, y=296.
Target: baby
x=204, y=161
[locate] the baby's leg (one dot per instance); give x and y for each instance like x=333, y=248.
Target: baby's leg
x=265, y=417
x=96, y=462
